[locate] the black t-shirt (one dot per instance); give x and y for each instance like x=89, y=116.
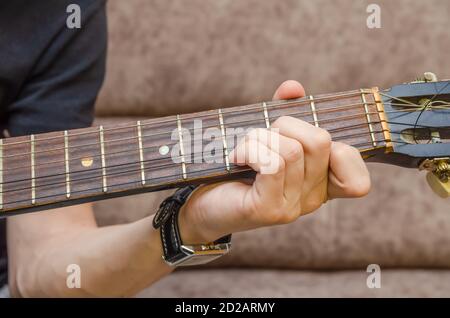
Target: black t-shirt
x=50, y=74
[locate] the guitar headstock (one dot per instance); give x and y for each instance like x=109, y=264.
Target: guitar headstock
x=418, y=116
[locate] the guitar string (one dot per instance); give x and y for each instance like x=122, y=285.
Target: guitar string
x=213, y=126
x=134, y=126
x=137, y=170
x=174, y=143
x=404, y=101
x=241, y=169
x=118, y=173
x=230, y=125
x=171, y=160
x=355, y=116
x=304, y=101
x=428, y=103
x=422, y=107
x=362, y=125
x=123, y=184
x=122, y=127
x=135, y=182
x=445, y=105
x=397, y=98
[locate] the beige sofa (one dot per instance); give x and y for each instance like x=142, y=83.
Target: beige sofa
x=176, y=56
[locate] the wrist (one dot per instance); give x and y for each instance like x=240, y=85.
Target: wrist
x=193, y=222
x=192, y=231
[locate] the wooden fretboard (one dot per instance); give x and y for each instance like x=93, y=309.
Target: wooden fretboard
x=63, y=168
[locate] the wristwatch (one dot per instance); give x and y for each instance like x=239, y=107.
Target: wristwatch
x=175, y=252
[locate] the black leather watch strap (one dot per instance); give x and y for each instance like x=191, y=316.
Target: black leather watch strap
x=171, y=204
x=167, y=220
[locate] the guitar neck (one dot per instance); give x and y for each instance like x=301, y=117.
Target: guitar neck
x=56, y=169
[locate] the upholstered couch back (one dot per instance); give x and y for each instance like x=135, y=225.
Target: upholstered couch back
x=177, y=56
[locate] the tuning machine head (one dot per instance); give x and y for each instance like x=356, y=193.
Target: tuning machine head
x=427, y=77
x=438, y=175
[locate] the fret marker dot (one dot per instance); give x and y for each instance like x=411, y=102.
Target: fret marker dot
x=87, y=162
x=163, y=150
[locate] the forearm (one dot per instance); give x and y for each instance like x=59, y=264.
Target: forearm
x=114, y=261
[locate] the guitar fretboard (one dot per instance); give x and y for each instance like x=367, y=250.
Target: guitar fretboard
x=69, y=167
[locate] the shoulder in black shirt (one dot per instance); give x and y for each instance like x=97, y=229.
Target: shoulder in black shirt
x=50, y=74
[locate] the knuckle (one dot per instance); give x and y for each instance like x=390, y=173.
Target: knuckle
x=295, y=151
x=279, y=165
x=343, y=151
x=339, y=150
x=322, y=139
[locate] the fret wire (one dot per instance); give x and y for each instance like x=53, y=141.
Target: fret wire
x=366, y=109
x=170, y=132
x=158, y=184
x=149, y=148
x=180, y=136
x=141, y=152
x=150, y=160
x=102, y=153
x=33, y=173
x=304, y=101
x=133, y=182
x=314, y=112
x=224, y=140
x=1, y=174
x=283, y=103
x=170, y=163
x=66, y=159
x=266, y=115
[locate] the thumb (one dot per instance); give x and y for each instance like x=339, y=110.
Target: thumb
x=288, y=90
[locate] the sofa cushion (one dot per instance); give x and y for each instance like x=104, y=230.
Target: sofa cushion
x=274, y=283
x=170, y=57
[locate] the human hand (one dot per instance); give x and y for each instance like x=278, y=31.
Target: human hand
x=306, y=169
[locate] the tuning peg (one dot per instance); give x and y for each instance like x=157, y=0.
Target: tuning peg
x=427, y=77
x=438, y=175
x=430, y=77
x=439, y=187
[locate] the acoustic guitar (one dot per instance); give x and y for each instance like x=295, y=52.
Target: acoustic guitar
x=406, y=125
